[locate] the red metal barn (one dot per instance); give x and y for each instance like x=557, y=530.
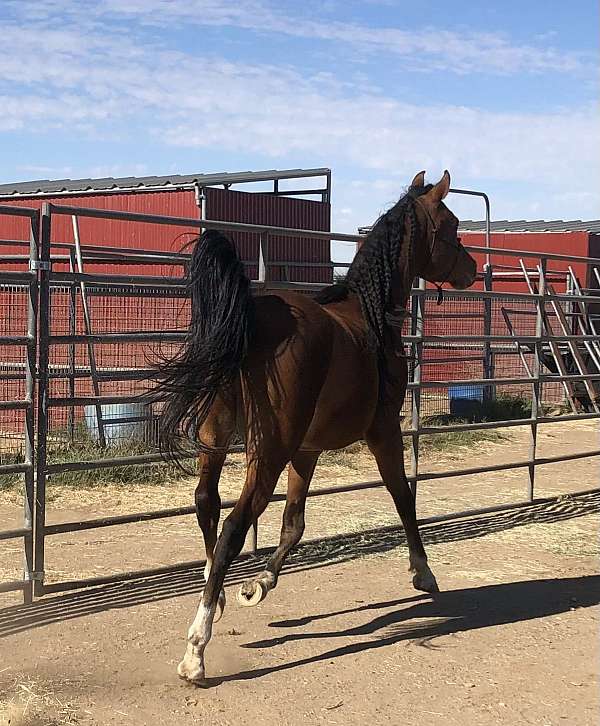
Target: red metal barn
x=211, y=195
x=576, y=237
x=297, y=198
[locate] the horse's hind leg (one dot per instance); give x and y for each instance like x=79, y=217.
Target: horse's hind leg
x=261, y=479
x=386, y=445
x=301, y=469
x=217, y=431
x=208, y=511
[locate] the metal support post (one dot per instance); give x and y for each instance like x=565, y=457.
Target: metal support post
x=417, y=325
x=536, y=398
x=263, y=254
x=254, y=536
x=72, y=349
x=87, y=322
x=489, y=392
x=30, y=372
x=43, y=392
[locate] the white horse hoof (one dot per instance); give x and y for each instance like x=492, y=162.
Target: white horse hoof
x=192, y=672
x=249, y=599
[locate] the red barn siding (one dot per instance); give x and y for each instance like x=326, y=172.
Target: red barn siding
x=225, y=204
x=116, y=233
x=222, y=204
x=563, y=243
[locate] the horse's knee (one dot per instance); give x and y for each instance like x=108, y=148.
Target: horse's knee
x=233, y=534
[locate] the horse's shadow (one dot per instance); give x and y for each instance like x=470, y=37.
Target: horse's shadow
x=423, y=618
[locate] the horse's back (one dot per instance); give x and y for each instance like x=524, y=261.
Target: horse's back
x=322, y=372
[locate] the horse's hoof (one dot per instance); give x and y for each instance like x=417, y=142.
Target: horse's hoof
x=426, y=582
x=251, y=593
x=191, y=672
x=220, y=607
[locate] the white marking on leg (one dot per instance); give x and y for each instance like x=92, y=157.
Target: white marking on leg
x=201, y=629
x=199, y=633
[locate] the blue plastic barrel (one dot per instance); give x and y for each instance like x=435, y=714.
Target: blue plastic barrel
x=465, y=400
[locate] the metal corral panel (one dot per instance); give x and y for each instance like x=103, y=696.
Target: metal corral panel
x=279, y=211
x=116, y=233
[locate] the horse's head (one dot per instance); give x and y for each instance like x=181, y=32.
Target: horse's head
x=439, y=254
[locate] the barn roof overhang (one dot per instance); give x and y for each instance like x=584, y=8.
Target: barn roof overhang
x=591, y=226
x=536, y=225
x=171, y=182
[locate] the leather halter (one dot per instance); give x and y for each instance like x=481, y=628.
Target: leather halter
x=434, y=240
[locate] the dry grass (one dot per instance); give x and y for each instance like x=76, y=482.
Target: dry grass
x=28, y=703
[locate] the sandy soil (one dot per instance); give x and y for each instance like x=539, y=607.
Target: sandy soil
x=344, y=639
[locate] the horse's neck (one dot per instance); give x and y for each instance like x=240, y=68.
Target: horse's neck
x=398, y=302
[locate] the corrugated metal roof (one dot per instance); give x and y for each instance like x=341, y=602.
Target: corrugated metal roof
x=58, y=186
x=536, y=225
x=523, y=225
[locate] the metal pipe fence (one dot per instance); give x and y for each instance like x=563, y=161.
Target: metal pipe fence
x=97, y=333
x=20, y=394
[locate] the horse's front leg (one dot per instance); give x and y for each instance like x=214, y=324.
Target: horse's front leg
x=385, y=442
x=301, y=470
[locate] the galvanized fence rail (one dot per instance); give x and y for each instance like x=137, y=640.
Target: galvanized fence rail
x=25, y=284
x=63, y=282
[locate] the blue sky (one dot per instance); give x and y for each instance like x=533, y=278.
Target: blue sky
x=504, y=95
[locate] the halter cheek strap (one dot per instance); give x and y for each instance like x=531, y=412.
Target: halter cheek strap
x=440, y=295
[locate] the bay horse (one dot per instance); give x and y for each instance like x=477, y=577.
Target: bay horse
x=299, y=375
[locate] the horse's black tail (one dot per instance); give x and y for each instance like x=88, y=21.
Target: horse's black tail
x=221, y=325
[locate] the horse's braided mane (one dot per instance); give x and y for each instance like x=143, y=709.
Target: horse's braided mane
x=370, y=274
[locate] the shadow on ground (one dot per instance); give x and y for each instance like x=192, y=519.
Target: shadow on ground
x=423, y=619
x=186, y=579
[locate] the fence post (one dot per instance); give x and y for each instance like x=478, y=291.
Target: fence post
x=72, y=348
x=418, y=325
x=263, y=253
x=87, y=321
x=536, y=398
x=489, y=392
x=30, y=371
x=43, y=394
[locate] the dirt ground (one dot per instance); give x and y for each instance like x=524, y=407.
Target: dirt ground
x=344, y=639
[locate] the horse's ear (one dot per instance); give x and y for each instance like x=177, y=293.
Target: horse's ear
x=440, y=190
x=419, y=180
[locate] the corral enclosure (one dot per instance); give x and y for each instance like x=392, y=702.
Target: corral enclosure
x=107, y=311
x=82, y=328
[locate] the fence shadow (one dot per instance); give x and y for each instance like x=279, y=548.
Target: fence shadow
x=188, y=579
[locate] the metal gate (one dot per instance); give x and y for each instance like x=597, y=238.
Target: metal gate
x=94, y=329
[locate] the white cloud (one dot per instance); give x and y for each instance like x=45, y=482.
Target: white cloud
x=426, y=48
x=91, y=79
